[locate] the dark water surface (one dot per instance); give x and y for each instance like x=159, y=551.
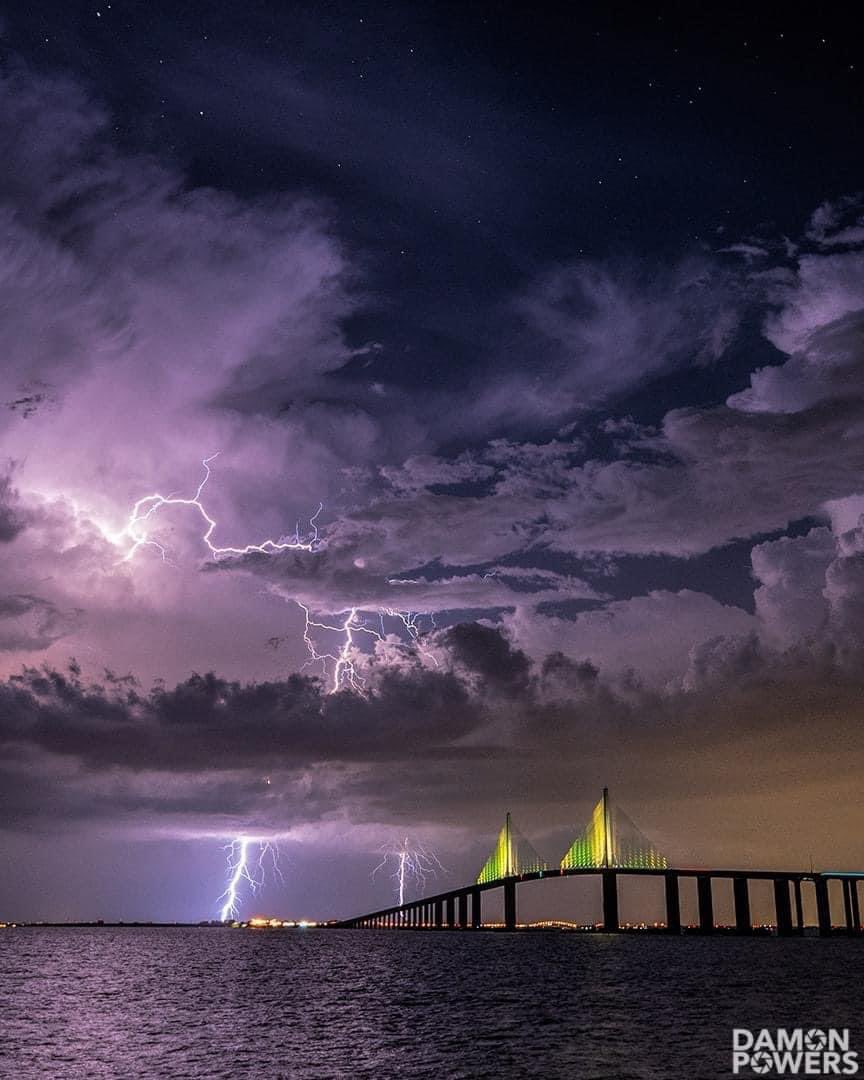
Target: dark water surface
x=194, y=1003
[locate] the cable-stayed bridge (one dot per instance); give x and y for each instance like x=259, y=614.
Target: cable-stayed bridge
x=611, y=846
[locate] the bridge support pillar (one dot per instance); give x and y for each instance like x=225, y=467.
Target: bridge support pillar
x=856, y=910
x=799, y=907
x=706, y=903
x=673, y=905
x=823, y=906
x=463, y=911
x=451, y=912
x=439, y=914
x=741, y=896
x=476, y=910
x=848, y=911
x=509, y=905
x=610, y=901
x=782, y=907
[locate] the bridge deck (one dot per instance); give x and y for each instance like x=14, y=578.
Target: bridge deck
x=787, y=876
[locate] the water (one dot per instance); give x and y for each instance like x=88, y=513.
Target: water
x=195, y=1003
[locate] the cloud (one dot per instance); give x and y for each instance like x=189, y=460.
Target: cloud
x=148, y=323
x=489, y=659
x=605, y=329
x=31, y=623
x=838, y=222
x=776, y=451
x=790, y=601
x=649, y=636
x=10, y=521
x=820, y=326
x=206, y=719
x=156, y=316
x=212, y=757
x=707, y=477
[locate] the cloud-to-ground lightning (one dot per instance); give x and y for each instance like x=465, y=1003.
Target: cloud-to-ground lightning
x=412, y=864
x=243, y=868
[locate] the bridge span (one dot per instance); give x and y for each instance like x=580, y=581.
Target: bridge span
x=461, y=909
x=610, y=847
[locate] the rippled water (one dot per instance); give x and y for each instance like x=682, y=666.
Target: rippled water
x=195, y=1003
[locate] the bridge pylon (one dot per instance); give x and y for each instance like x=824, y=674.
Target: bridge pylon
x=611, y=840
x=512, y=855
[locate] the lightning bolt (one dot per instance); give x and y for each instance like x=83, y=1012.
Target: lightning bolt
x=134, y=530
x=241, y=868
x=413, y=864
x=344, y=668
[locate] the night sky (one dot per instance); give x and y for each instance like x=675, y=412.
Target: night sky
x=556, y=312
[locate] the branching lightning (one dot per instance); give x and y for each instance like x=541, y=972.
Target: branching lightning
x=344, y=668
x=241, y=867
x=134, y=531
x=412, y=865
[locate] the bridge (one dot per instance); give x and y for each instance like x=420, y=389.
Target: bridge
x=610, y=847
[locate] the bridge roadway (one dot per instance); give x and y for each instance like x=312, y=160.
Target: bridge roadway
x=450, y=910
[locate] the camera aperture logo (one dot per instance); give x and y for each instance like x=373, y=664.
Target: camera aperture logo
x=793, y=1052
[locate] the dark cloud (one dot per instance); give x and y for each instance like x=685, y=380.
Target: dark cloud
x=11, y=523
x=31, y=623
x=484, y=652
x=452, y=742
x=205, y=720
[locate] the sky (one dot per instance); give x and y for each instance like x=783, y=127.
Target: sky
x=414, y=412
